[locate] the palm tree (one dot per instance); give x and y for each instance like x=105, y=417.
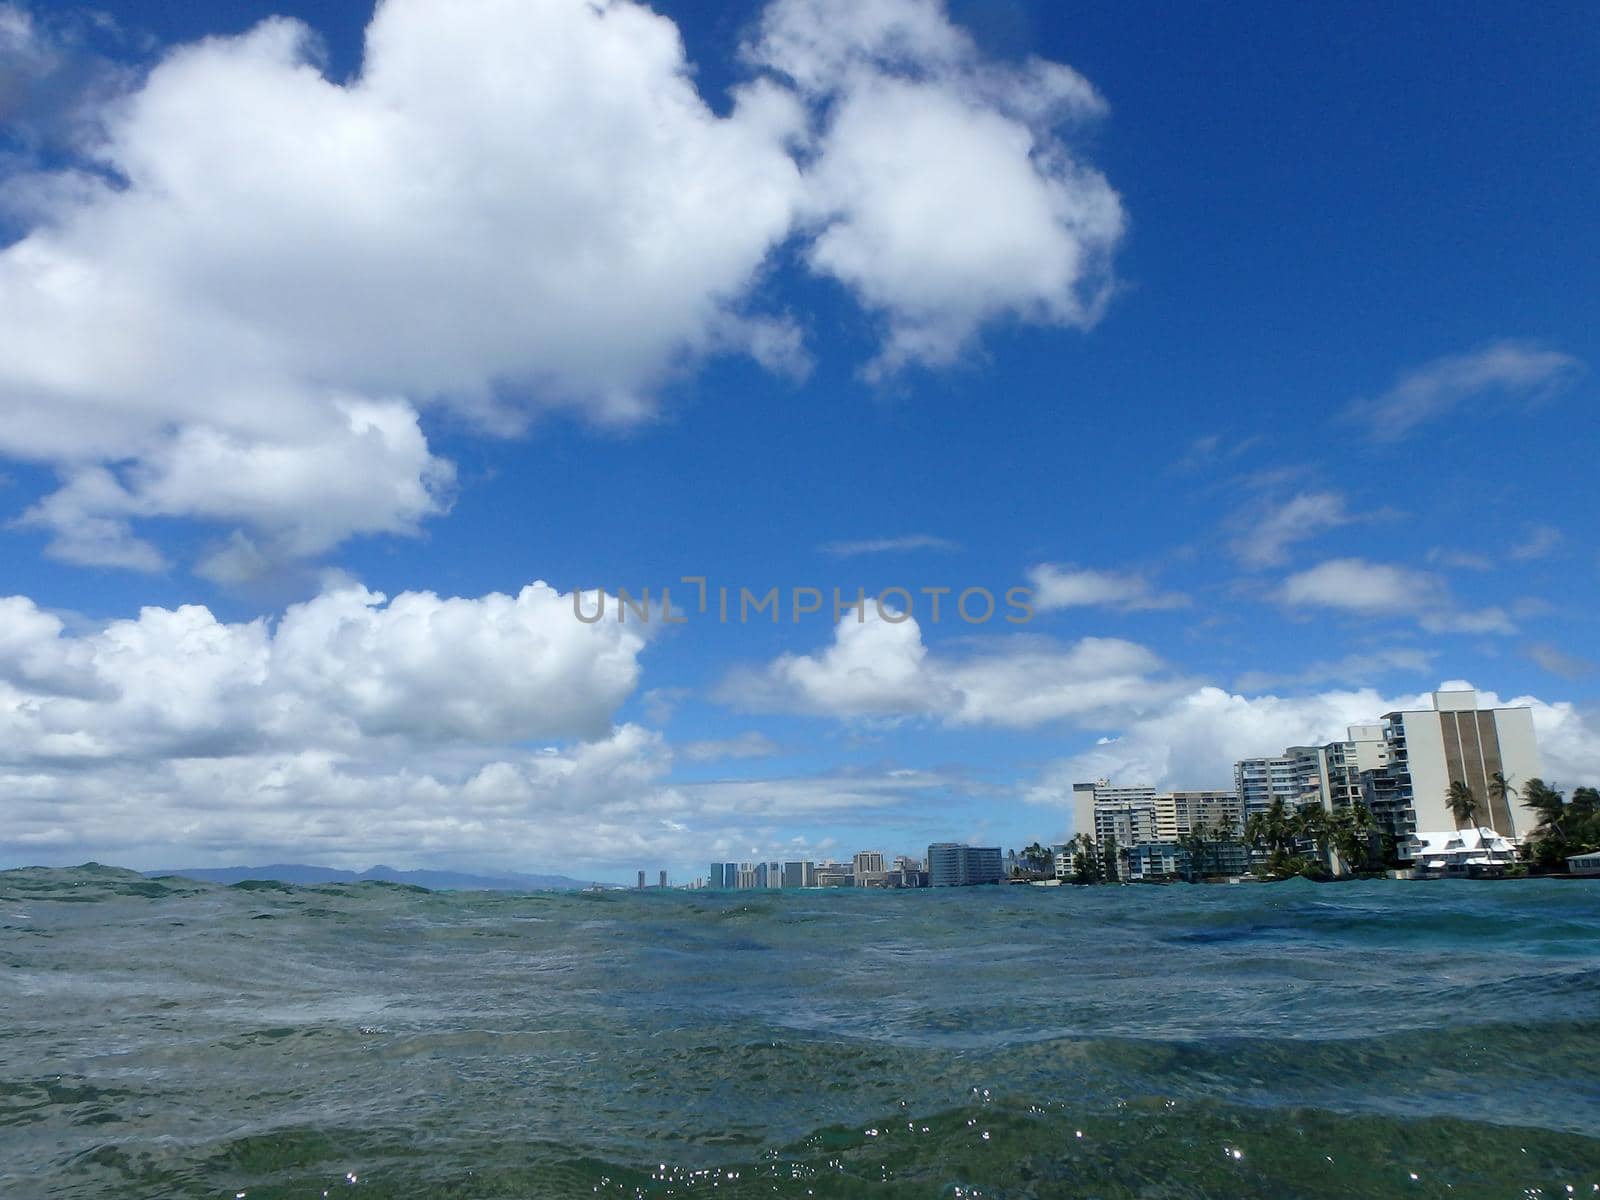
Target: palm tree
x=1085, y=859
x=1550, y=842
x=1585, y=819
x=1463, y=804
x=1466, y=807
x=1502, y=792
x=1312, y=822
x=1038, y=858
x=1352, y=835
x=1194, y=845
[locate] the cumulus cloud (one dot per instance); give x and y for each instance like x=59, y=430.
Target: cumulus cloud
x=605, y=805
x=1056, y=587
x=341, y=672
x=417, y=730
x=239, y=310
x=1505, y=370
x=55, y=76
x=938, y=187
x=517, y=808
x=1369, y=589
x=881, y=669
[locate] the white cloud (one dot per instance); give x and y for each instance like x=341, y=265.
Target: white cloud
x=750, y=744
x=512, y=208
x=939, y=190
x=1505, y=369
x=1540, y=541
x=1352, y=668
x=1057, y=587
x=1558, y=662
x=339, y=673
x=1460, y=560
x=600, y=801
x=419, y=730
x=1356, y=585
x=880, y=669
x=1267, y=534
x=53, y=77
x=891, y=545
x=1369, y=589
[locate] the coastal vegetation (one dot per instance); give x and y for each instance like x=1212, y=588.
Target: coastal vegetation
x=1566, y=827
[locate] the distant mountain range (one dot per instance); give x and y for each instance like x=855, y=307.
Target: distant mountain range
x=434, y=880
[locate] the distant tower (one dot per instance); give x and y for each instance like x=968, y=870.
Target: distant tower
x=663, y=879
x=641, y=881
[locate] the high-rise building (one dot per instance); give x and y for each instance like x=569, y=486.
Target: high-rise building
x=868, y=862
x=641, y=881
x=663, y=882
x=1125, y=821
x=1179, y=814
x=799, y=874
x=1088, y=798
x=1458, y=742
x=955, y=864
x=1259, y=782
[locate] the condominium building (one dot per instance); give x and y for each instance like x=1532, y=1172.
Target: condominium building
x=1125, y=822
x=1215, y=813
x=1458, y=742
x=1088, y=798
x=954, y=864
x=1259, y=782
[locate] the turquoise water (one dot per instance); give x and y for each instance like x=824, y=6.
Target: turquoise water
x=168, y=1038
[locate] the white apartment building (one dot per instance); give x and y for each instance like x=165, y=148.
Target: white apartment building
x=1102, y=811
x=1178, y=814
x=1456, y=741
x=1260, y=781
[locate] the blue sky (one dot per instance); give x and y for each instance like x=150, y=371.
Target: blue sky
x=1258, y=342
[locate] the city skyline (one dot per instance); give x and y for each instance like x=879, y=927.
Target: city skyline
x=345, y=353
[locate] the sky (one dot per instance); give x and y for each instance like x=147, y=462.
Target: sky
x=1243, y=357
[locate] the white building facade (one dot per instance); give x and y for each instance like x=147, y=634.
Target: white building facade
x=1458, y=742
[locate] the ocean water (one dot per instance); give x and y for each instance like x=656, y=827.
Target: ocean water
x=173, y=1039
